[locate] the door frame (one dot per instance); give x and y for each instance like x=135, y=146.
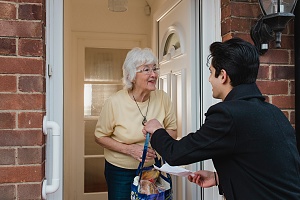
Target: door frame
x=74, y=91
x=54, y=84
x=59, y=34
x=210, y=22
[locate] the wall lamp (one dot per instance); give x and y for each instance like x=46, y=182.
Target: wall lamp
x=117, y=5
x=276, y=14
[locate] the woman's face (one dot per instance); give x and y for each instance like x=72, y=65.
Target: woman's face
x=146, y=77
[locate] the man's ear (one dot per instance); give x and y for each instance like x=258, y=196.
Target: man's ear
x=224, y=76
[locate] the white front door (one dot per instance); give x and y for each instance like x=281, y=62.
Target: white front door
x=183, y=31
x=175, y=35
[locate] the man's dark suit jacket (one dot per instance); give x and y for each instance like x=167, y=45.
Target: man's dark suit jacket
x=252, y=145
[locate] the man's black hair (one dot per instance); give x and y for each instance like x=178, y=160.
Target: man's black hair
x=238, y=58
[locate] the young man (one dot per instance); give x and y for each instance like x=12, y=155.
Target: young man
x=251, y=142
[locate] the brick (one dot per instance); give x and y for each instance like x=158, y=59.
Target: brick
x=226, y=37
x=267, y=98
x=283, y=72
x=7, y=157
x=8, y=84
x=287, y=42
x=292, y=117
x=30, y=47
x=273, y=87
x=29, y=191
x=244, y=36
x=248, y=10
x=284, y=102
x=225, y=26
x=30, y=1
x=8, y=192
x=286, y=113
x=292, y=85
x=263, y=72
x=21, y=66
x=30, y=155
x=11, y=28
x=14, y=174
x=21, y=138
x=292, y=57
x=275, y=56
x=30, y=12
x=241, y=24
x=32, y=84
x=30, y=120
x=7, y=11
x=225, y=12
x=7, y=120
x=22, y=101
x=8, y=46
x=290, y=27
x=225, y=3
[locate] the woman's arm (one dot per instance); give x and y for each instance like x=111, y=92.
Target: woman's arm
x=172, y=133
x=133, y=150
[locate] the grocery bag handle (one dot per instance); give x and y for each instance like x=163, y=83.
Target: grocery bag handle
x=144, y=152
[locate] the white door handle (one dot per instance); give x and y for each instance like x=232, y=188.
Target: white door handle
x=46, y=189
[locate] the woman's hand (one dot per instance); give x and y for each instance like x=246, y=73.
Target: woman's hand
x=136, y=151
x=204, y=178
x=151, y=126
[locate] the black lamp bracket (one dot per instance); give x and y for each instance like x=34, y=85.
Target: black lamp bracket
x=261, y=34
x=269, y=27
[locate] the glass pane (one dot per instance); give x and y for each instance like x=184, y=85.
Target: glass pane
x=95, y=96
x=91, y=147
x=272, y=6
x=94, y=180
x=171, y=42
x=103, y=74
x=104, y=64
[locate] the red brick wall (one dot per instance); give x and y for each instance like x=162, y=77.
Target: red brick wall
x=276, y=74
x=22, y=85
x=22, y=98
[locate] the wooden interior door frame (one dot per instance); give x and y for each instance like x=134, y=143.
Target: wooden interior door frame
x=74, y=103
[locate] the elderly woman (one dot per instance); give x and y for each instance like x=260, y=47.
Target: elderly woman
x=119, y=128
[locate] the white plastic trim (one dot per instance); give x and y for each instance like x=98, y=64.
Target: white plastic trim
x=47, y=189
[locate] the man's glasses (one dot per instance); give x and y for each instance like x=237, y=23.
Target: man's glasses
x=148, y=70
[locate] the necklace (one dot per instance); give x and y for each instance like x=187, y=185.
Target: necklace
x=144, y=116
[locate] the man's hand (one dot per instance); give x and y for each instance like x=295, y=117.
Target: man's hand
x=151, y=126
x=204, y=178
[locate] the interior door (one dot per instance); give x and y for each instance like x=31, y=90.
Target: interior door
x=102, y=78
x=94, y=75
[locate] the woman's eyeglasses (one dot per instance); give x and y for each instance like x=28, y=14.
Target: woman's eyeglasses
x=148, y=70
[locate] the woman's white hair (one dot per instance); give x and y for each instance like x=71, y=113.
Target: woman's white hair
x=134, y=59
